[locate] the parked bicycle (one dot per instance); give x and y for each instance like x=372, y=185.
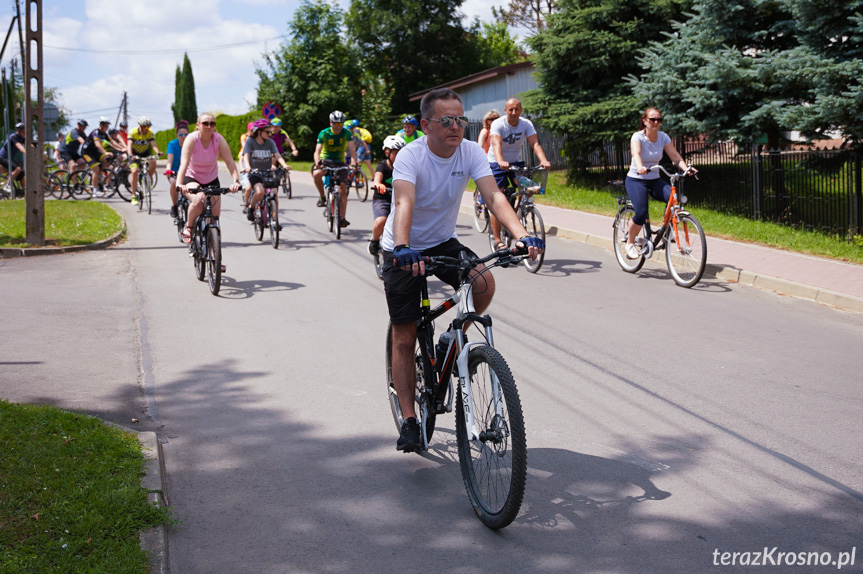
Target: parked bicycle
x=681, y=235
x=530, y=181
x=490, y=431
x=206, y=244
x=266, y=212
x=357, y=179
x=333, y=207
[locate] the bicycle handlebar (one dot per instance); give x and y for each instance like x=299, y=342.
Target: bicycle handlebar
x=674, y=176
x=210, y=190
x=504, y=257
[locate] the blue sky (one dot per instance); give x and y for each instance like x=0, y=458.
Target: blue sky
x=94, y=50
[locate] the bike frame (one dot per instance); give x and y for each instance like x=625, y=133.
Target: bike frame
x=673, y=210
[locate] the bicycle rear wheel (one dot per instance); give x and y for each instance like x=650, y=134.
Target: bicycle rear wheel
x=535, y=228
x=426, y=415
x=480, y=213
x=621, y=233
x=122, y=185
x=493, y=454
x=274, y=223
x=285, y=184
x=214, y=259
x=686, y=251
x=362, y=184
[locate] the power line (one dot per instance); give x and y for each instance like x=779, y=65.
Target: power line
x=151, y=52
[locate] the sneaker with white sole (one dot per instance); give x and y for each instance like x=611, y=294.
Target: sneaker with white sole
x=632, y=251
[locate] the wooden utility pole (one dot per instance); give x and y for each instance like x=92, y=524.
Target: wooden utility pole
x=34, y=121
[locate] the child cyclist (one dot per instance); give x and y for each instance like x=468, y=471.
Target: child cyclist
x=382, y=200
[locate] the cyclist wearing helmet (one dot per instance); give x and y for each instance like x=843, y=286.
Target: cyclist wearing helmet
x=115, y=143
x=361, y=138
x=260, y=153
x=330, y=152
x=70, y=148
x=124, y=133
x=142, y=142
x=409, y=131
x=383, y=186
x=96, y=155
x=12, y=155
x=281, y=138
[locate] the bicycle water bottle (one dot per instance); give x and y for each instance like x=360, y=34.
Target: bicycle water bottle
x=441, y=348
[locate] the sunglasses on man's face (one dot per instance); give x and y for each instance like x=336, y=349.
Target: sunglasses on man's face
x=209, y=124
x=446, y=121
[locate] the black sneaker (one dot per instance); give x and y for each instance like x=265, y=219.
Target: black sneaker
x=321, y=202
x=374, y=247
x=344, y=223
x=174, y=212
x=409, y=439
x=250, y=216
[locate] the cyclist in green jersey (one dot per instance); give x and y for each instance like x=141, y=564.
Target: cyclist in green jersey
x=333, y=143
x=409, y=131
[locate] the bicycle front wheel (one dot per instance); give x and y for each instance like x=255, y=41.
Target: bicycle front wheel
x=480, y=213
x=80, y=184
x=274, y=223
x=147, y=193
x=492, y=454
x=198, y=252
x=258, y=222
x=362, y=185
x=329, y=211
x=214, y=260
x=122, y=185
x=686, y=251
x=621, y=233
x=535, y=228
x=286, y=184
x=337, y=212
x=426, y=415
x=59, y=186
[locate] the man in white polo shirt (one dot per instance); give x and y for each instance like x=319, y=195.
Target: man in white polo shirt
x=429, y=178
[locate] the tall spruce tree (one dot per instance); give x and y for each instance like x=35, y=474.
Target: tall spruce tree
x=175, y=107
x=187, y=103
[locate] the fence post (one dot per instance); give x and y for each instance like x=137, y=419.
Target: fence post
x=858, y=194
x=757, y=191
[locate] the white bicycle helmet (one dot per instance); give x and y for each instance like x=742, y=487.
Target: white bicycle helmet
x=337, y=117
x=394, y=142
x=144, y=121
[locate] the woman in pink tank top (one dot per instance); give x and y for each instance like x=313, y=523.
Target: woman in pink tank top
x=199, y=167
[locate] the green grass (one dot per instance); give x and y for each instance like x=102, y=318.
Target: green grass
x=67, y=223
x=70, y=494
x=715, y=224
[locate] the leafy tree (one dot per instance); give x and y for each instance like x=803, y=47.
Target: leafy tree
x=376, y=112
x=582, y=59
x=530, y=14
x=312, y=75
x=717, y=72
x=415, y=44
x=497, y=45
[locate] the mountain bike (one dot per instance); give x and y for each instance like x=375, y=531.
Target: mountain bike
x=681, y=235
x=145, y=183
x=206, y=245
x=333, y=207
x=480, y=213
x=266, y=212
x=490, y=431
x=358, y=180
x=530, y=181
x=285, y=183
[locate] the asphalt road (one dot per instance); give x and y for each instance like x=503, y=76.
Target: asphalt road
x=665, y=426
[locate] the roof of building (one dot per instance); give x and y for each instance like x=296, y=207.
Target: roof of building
x=475, y=78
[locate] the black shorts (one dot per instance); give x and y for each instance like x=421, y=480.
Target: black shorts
x=403, y=290
x=505, y=179
x=187, y=180
x=267, y=182
x=381, y=207
x=69, y=156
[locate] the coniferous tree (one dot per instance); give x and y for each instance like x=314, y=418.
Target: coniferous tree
x=175, y=107
x=188, y=107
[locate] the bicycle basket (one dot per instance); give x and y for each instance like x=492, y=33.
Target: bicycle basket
x=540, y=178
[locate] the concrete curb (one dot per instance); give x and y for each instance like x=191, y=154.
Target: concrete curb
x=731, y=274
x=10, y=252
x=155, y=540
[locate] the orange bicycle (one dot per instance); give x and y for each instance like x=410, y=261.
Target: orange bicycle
x=681, y=235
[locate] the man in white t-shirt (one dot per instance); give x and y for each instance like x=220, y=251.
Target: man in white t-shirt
x=506, y=134
x=429, y=178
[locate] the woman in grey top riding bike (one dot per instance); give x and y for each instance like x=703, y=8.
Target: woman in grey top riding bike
x=647, y=146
